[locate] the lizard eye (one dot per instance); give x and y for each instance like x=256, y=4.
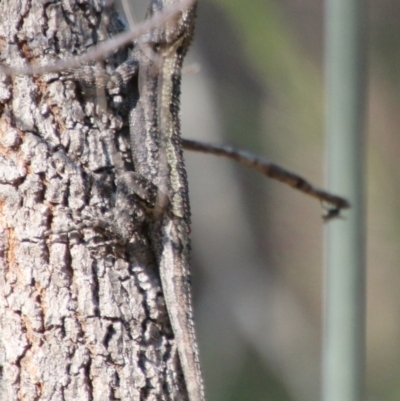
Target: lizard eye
x=156, y=47
x=179, y=50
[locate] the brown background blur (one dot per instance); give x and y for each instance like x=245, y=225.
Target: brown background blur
x=257, y=245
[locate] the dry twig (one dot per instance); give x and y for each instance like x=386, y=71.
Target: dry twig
x=101, y=50
x=269, y=169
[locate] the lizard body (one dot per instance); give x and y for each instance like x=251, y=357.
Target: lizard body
x=158, y=157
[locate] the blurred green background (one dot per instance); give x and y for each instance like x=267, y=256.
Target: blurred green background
x=254, y=78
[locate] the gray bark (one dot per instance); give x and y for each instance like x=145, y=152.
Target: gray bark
x=82, y=317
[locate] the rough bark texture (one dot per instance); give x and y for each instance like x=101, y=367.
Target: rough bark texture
x=81, y=316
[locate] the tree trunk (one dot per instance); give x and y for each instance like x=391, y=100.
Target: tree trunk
x=82, y=317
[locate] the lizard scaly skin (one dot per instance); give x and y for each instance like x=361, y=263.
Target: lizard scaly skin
x=158, y=157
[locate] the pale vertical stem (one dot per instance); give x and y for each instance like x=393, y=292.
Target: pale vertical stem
x=344, y=321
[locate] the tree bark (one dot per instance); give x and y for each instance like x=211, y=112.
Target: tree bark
x=82, y=317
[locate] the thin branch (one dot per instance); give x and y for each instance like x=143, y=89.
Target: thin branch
x=269, y=169
x=101, y=50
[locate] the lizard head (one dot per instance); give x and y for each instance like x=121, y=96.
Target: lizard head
x=178, y=31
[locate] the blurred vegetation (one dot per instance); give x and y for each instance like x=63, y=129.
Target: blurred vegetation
x=266, y=63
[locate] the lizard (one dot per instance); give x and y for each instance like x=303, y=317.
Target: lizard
x=157, y=154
